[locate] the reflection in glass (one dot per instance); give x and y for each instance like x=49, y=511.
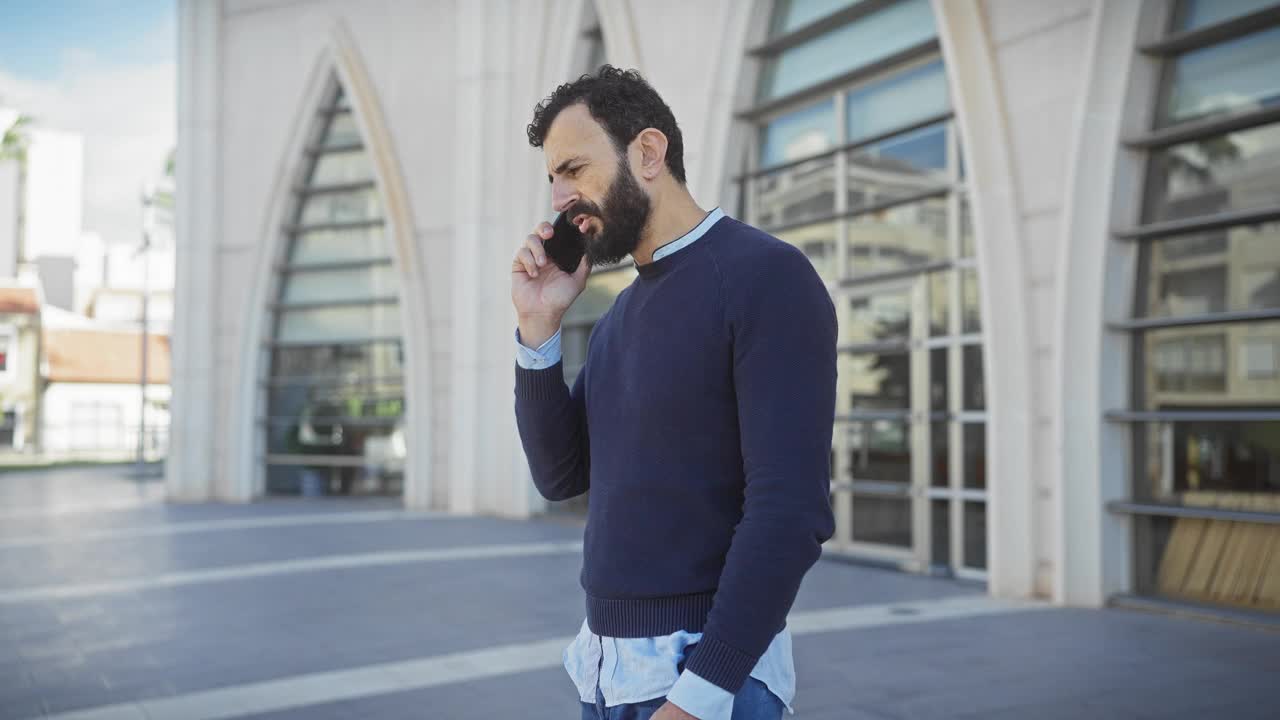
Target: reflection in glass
x=975, y=389
x=939, y=303
x=791, y=14
x=381, y=359
x=349, y=206
x=877, y=318
x=358, y=283
x=876, y=381
x=1222, y=270
x=893, y=29
x=881, y=520
x=975, y=455
x=1192, y=14
x=940, y=532
x=938, y=380
x=940, y=466
x=899, y=237
x=903, y=166
x=970, y=303
x=966, y=228
x=1235, y=171
x=798, y=134
x=897, y=101
x=335, y=168
x=347, y=323
x=798, y=193
x=975, y=535
x=879, y=450
x=1215, y=464
x=1242, y=74
x=1233, y=364
x=326, y=246
x=818, y=243
x=342, y=131
x=1208, y=561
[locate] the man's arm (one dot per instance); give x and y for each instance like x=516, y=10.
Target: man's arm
x=552, y=421
x=784, y=344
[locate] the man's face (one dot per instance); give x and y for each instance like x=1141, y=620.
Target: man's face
x=594, y=186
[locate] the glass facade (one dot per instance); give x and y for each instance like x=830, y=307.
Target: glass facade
x=334, y=397
x=855, y=161
x=1205, y=414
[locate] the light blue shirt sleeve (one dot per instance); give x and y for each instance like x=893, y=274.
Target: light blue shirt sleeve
x=700, y=698
x=547, y=354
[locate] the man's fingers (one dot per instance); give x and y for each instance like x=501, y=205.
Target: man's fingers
x=584, y=269
x=534, y=244
x=525, y=258
x=545, y=231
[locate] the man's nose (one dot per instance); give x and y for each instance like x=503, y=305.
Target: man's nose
x=563, y=197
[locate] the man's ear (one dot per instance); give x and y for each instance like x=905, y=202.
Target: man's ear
x=653, y=152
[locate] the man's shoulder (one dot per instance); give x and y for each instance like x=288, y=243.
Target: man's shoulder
x=743, y=253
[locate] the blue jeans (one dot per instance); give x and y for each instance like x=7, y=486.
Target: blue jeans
x=753, y=702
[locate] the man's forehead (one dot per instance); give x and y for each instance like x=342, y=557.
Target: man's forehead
x=574, y=132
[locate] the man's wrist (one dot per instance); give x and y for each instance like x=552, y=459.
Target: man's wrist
x=537, y=329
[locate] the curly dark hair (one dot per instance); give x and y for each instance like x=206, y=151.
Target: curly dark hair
x=623, y=103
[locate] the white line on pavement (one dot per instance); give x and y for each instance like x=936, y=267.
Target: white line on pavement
x=286, y=567
x=182, y=528
x=81, y=508
x=421, y=673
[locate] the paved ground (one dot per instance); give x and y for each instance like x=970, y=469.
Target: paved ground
x=354, y=609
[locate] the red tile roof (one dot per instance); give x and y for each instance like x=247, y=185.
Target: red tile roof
x=104, y=356
x=19, y=300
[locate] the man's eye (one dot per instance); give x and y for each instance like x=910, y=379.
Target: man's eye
x=574, y=171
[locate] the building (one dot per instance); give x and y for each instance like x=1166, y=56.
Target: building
x=20, y=352
x=1050, y=230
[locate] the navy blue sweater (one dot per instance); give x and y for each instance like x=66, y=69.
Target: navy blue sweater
x=702, y=425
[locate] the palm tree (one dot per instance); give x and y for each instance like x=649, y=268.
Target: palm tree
x=13, y=145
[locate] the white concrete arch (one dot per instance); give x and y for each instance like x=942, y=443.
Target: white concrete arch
x=980, y=112
x=340, y=58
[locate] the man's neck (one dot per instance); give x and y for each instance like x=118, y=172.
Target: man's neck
x=672, y=217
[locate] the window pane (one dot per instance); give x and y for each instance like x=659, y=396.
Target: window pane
x=1234, y=269
x=1217, y=464
x=975, y=388
x=897, y=238
x=799, y=134
x=1208, y=365
x=818, y=242
x=970, y=303
x=1243, y=74
x=342, y=361
x=877, y=318
x=896, y=101
x=340, y=207
x=329, y=285
x=791, y=14
x=1236, y=171
x=378, y=404
x=966, y=228
x=880, y=451
x=1209, y=561
x=940, y=532
x=342, y=131
x=899, y=167
x=975, y=455
x=876, y=381
x=938, y=380
x=342, y=167
x=881, y=520
x=939, y=303
x=381, y=472
x=345, y=323
x=975, y=535
x=317, y=246
x=1194, y=14
x=802, y=192
x=940, y=467
x=859, y=43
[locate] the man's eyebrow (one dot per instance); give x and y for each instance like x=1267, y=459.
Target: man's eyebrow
x=564, y=166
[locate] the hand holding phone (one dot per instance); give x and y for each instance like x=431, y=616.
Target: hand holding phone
x=566, y=246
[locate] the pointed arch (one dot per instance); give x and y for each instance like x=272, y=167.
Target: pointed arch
x=284, y=314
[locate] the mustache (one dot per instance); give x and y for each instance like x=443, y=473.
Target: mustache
x=583, y=207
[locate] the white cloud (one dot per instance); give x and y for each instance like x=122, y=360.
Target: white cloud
x=127, y=115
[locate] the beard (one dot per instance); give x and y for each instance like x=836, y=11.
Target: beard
x=622, y=218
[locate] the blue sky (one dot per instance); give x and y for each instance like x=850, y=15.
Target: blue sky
x=106, y=70
x=37, y=35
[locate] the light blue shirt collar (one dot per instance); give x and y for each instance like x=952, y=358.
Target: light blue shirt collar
x=688, y=238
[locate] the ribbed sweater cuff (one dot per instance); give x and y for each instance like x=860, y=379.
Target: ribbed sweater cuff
x=544, y=384
x=720, y=664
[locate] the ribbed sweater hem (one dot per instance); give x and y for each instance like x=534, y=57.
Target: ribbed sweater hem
x=648, y=617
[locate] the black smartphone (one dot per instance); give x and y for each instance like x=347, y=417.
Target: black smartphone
x=566, y=244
